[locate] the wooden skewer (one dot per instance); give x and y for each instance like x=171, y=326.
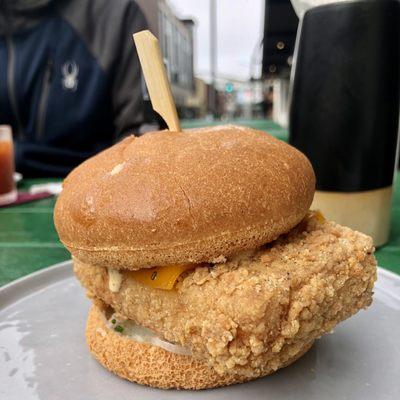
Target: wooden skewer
x=156, y=78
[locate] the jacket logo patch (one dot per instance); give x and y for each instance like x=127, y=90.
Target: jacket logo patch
x=70, y=71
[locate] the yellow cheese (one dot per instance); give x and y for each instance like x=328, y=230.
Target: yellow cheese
x=161, y=277
x=319, y=216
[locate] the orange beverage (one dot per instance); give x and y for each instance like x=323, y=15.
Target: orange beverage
x=8, y=192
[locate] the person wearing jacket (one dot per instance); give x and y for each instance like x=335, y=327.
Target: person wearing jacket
x=70, y=79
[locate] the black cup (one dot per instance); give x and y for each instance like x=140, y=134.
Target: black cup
x=345, y=93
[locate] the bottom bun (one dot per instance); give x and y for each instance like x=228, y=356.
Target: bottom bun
x=153, y=366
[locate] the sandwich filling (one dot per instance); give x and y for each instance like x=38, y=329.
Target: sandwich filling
x=165, y=277
x=140, y=334
x=255, y=310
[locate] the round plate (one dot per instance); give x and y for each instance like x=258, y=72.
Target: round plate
x=43, y=354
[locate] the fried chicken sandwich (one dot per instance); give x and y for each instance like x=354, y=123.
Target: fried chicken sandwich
x=203, y=261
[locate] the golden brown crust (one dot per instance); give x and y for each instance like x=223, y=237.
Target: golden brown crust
x=154, y=366
x=183, y=197
x=240, y=315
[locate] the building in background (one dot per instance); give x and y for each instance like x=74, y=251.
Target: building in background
x=176, y=40
x=207, y=102
x=226, y=97
x=280, y=29
x=197, y=105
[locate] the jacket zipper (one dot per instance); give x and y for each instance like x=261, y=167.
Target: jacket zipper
x=11, y=84
x=48, y=73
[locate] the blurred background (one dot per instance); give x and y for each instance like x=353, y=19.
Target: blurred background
x=71, y=82
x=226, y=59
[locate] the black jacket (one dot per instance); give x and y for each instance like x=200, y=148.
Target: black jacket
x=70, y=80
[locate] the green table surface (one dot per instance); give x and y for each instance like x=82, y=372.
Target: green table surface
x=29, y=242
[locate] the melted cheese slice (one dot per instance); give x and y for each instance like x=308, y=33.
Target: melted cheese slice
x=161, y=277
x=319, y=216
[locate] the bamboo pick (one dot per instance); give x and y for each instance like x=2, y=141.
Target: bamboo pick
x=156, y=78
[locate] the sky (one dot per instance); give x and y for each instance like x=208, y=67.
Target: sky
x=239, y=29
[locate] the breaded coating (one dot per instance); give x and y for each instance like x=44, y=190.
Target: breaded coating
x=247, y=314
x=156, y=367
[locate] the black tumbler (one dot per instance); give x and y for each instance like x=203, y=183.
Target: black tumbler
x=345, y=109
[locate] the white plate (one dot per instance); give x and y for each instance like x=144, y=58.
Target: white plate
x=43, y=353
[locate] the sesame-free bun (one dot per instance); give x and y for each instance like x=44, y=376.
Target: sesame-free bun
x=179, y=197
x=153, y=366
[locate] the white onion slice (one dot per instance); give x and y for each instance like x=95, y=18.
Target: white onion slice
x=144, y=335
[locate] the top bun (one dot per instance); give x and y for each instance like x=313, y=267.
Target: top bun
x=183, y=197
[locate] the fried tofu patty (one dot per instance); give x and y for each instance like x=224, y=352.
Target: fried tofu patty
x=258, y=308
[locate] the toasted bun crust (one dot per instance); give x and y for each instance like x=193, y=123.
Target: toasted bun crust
x=171, y=197
x=153, y=366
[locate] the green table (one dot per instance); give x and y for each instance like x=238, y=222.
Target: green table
x=28, y=241
x=263, y=124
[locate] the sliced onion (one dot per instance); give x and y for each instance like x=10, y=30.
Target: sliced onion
x=144, y=335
